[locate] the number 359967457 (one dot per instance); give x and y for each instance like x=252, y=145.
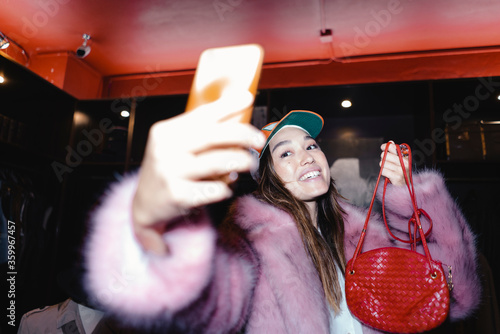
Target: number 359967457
x=11, y=247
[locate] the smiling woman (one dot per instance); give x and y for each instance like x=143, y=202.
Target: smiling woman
x=277, y=263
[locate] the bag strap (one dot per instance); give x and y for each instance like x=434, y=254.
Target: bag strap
x=405, y=151
x=414, y=220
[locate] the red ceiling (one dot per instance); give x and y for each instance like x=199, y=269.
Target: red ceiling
x=150, y=47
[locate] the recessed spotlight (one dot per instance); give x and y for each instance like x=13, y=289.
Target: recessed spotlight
x=498, y=97
x=124, y=113
x=346, y=104
x=80, y=118
x=2, y=79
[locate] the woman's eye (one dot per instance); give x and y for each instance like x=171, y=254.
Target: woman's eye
x=285, y=154
x=312, y=147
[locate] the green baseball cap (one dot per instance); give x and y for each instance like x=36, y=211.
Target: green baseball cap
x=309, y=121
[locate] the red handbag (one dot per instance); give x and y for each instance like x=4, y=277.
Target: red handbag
x=395, y=289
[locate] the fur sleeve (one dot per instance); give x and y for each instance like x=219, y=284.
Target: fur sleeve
x=196, y=282
x=451, y=240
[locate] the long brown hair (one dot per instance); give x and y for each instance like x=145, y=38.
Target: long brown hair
x=324, y=251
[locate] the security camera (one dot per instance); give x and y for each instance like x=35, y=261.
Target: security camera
x=83, y=50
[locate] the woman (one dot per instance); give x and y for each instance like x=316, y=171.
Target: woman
x=155, y=259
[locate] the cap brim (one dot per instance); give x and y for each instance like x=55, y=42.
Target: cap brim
x=311, y=122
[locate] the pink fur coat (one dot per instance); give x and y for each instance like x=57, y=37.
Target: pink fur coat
x=256, y=274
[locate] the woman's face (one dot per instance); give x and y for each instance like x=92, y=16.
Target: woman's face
x=300, y=163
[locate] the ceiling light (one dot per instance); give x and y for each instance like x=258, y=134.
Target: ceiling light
x=80, y=118
x=4, y=42
x=498, y=97
x=346, y=104
x=83, y=50
x=2, y=79
x=124, y=113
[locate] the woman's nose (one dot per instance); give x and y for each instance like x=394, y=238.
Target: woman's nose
x=306, y=158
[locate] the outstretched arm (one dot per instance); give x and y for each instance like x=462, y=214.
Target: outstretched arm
x=150, y=256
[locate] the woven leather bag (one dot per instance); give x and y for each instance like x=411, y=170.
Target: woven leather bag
x=395, y=289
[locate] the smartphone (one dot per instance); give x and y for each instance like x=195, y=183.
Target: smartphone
x=226, y=73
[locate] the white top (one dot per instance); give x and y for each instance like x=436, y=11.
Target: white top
x=343, y=322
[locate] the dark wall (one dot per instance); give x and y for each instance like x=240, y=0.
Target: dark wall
x=35, y=127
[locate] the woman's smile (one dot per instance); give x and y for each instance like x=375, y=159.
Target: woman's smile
x=310, y=175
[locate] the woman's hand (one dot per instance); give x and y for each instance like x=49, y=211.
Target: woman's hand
x=392, y=166
x=184, y=165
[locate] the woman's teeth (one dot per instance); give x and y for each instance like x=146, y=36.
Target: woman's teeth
x=309, y=175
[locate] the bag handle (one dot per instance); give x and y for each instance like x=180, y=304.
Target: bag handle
x=405, y=151
x=415, y=218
